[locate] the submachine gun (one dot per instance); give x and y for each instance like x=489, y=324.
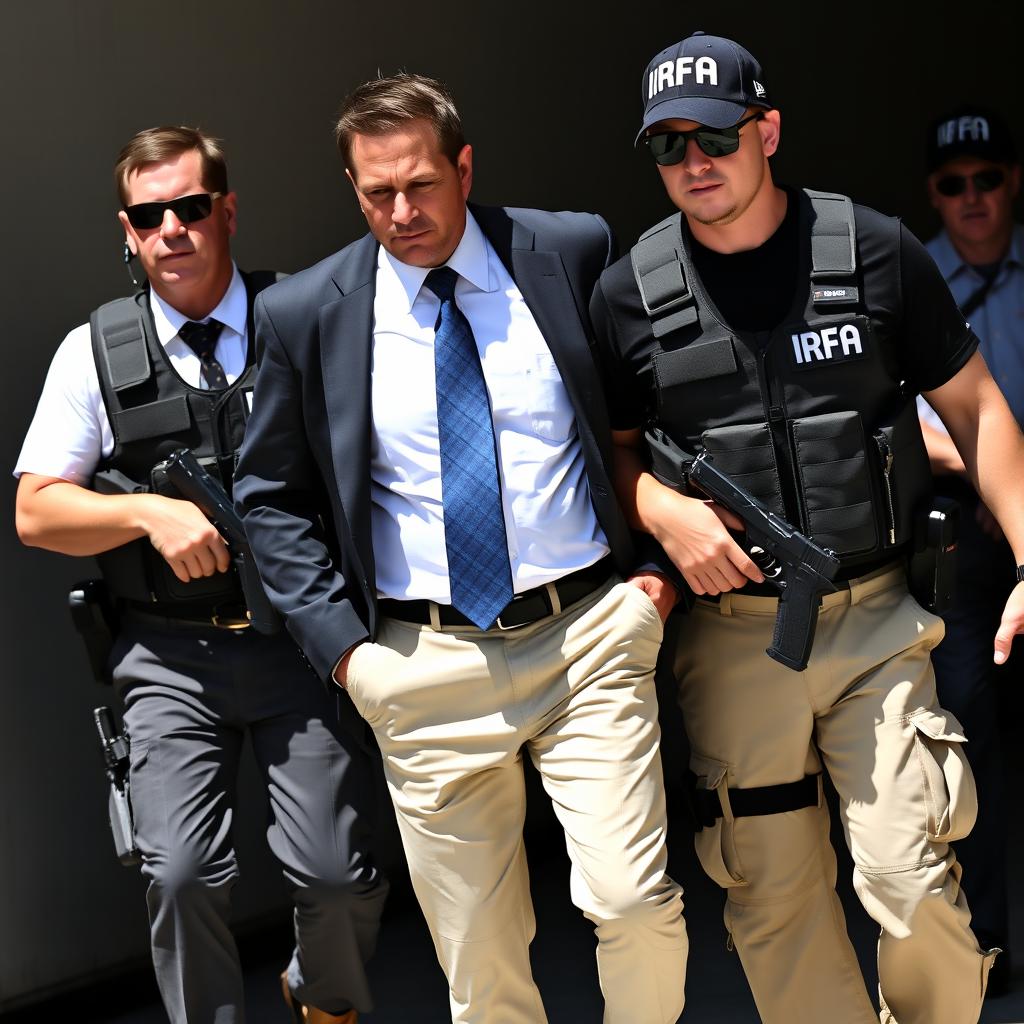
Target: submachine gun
x=798, y=568
x=187, y=479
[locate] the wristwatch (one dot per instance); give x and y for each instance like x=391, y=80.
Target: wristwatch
x=1020, y=573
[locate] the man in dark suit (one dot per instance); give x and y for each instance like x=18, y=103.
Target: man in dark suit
x=425, y=485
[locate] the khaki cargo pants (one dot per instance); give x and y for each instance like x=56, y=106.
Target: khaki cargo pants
x=866, y=707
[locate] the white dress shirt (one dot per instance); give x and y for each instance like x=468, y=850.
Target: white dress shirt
x=70, y=433
x=549, y=519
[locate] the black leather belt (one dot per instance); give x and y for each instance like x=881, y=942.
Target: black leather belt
x=221, y=617
x=520, y=611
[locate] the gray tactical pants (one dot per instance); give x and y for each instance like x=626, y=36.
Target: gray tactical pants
x=190, y=694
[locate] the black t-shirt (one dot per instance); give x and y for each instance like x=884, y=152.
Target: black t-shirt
x=754, y=290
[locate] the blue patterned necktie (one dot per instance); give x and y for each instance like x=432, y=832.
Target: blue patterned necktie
x=474, y=528
x=202, y=339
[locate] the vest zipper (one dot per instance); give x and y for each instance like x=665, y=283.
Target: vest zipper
x=792, y=500
x=885, y=452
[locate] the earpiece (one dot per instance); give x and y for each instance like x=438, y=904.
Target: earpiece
x=128, y=256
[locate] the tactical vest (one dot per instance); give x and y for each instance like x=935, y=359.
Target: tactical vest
x=811, y=417
x=152, y=412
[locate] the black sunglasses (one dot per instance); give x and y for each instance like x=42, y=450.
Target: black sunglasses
x=188, y=209
x=670, y=147
x=984, y=181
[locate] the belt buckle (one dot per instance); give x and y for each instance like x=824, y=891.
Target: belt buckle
x=540, y=591
x=225, y=623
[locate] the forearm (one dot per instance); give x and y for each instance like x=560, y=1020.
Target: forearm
x=628, y=469
x=990, y=443
x=942, y=452
x=993, y=453
x=692, y=533
x=61, y=516
x=642, y=497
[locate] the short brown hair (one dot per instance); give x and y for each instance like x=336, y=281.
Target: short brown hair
x=384, y=104
x=155, y=145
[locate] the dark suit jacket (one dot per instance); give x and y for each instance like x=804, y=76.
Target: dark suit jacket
x=303, y=483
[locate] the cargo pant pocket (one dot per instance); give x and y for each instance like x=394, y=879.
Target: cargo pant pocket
x=987, y=962
x=950, y=796
x=716, y=844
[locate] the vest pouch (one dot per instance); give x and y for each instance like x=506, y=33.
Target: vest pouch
x=220, y=588
x=904, y=475
x=746, y=453
x=693, y=377
x=136, y=572
x=126, y=571
x=834, y=481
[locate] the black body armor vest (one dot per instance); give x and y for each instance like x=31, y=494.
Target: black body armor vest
x=152, y=412
x=811, y=417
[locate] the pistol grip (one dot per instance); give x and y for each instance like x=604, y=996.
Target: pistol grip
x=795, y=625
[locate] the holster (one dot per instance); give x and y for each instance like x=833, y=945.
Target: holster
x=119, y=808
x=96, y=621
x=931, y=573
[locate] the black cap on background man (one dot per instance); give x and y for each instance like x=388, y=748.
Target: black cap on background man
x=973, y=179
x=969, y=131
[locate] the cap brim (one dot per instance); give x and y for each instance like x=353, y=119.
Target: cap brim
x=703, y=109
x=997, y=154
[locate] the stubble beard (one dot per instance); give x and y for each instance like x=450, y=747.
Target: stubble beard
x=736, y=210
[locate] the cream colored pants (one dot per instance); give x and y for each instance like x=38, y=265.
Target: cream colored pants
x=452, y=709
x=866, y=707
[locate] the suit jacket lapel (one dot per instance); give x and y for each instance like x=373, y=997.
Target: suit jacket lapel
x=544, y=283
x=346, y=332
x=542, y=279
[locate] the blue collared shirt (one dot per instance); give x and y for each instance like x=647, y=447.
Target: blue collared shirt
x=999, y=320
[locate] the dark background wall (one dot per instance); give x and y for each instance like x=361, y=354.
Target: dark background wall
x=550, y=97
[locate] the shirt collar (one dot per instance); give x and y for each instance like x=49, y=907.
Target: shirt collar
x=470, y=261
x=232, y=311
x=950, y=262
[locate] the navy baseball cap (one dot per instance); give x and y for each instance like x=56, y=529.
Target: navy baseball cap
x=703, y=78
x=969, y=131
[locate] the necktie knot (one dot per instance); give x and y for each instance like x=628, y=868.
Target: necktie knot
x=441, y=281
x=201, y=338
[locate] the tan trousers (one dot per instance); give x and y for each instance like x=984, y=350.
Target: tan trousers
x=452, y=709
x=866, y=707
